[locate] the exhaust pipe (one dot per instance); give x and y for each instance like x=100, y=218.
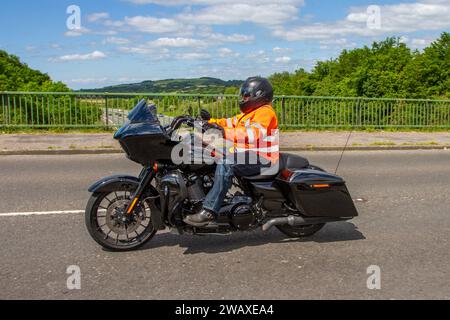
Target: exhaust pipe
x=298, y=221
x=291, y=220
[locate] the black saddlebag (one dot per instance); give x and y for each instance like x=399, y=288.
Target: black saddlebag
x=317, y=194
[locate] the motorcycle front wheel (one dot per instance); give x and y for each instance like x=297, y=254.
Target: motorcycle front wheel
x=112, y=228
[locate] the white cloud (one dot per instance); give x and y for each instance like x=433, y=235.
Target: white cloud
x=338, y=43
x=226, y=52
x=135, y=50
x=82, y=31
x=150, y=52
x=30, y=48
x=418, y=43
x=159, y=47
x=265, y=13
x=193, y=56
x=404, y=39
x=281, y=50
x=259, y=57
x=156, y=25
x=396, y=18
x=211, y=12
x=284, y=59
x=256, y=54
x=104, y=79
x=206, y=13
x=77, y=32
x=86, y=80
x=116, y=40
x=96, y=55
x=105, y=33
x=341, y=41
x=160, y=2
x=222, y=38
x=129, y=79
x=212, y=2
x=113, y=23
x=97, y=16
x=177, y=43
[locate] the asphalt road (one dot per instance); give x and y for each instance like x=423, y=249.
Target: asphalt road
x=403, y=227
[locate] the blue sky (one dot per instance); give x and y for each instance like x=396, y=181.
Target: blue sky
x=123, y=41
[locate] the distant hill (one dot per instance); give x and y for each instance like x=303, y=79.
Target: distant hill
x=198, y=85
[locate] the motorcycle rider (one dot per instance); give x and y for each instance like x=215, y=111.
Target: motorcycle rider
x=253, y=132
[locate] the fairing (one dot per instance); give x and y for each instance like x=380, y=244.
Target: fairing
x=143, y=138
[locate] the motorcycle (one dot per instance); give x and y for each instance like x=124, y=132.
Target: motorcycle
x=125, y=212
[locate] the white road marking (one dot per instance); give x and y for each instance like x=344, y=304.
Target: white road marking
x=39, y=213
x=47, y=213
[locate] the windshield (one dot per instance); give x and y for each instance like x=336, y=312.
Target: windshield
x=141, y=120
x=143, y=113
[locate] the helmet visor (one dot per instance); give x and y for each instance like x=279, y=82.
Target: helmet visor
x=246, y=92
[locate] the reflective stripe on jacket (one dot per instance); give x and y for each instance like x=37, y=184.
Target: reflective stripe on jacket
x=255, y=131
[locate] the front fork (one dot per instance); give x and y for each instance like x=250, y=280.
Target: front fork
x=146, y=177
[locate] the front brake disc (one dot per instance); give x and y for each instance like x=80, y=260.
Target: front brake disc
x=114, y=214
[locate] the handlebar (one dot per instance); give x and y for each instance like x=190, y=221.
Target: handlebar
x=178, y=121
x=190, y=121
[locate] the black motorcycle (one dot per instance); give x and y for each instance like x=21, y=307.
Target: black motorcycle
x=124, y=212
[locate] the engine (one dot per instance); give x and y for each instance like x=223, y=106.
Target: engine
x=242, y=214
x=195, y=187
x=237, y=210
x=190, y=190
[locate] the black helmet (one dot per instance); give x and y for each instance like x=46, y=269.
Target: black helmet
x=255, y=92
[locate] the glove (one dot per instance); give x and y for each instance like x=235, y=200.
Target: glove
x=205, y=115
x=215, y=126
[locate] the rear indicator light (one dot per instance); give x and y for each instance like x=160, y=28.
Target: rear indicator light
x=319, y=186
x=286, y=174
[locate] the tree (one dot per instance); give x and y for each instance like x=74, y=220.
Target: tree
x=386, y=69
x=17, y=76
x=231, y=90
x=428, y=75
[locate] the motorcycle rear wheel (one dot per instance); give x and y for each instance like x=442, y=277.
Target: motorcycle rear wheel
x=300, y=231
x=108, y=231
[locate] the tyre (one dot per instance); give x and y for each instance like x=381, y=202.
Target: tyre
x=110, y=226
x=300, y=231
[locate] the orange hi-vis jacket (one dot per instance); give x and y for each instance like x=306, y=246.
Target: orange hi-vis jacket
x=255, y=131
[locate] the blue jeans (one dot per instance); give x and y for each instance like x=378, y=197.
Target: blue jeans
x=223, y=181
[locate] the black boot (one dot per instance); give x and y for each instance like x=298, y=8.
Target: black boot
x=201, y=219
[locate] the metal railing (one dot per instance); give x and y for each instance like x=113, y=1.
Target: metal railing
x=103, y=110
